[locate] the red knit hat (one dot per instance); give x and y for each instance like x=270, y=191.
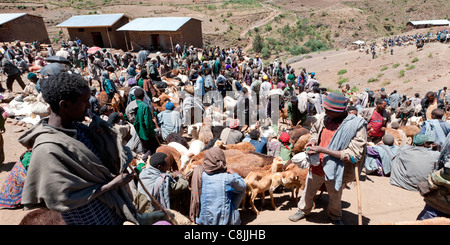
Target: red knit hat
x=284, y=137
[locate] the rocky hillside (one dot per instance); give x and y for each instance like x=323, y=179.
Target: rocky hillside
x=275, y=28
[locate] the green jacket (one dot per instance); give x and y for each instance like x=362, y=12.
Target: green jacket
x=144, y=125
x=285, y=153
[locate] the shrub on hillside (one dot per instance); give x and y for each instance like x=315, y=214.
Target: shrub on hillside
x=258, y=43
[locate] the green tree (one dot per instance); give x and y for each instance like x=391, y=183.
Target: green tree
x=265, y=53
x=258, y=43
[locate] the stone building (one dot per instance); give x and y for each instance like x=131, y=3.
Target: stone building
x=163, y=33
x=425, y=24
x=98, y=30
x=24, y=27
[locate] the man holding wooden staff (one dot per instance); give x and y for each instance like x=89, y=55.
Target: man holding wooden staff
x=339, y=138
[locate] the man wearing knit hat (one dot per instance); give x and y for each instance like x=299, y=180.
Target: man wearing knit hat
x=169, y=120
x=232, y=134
x=340, y=140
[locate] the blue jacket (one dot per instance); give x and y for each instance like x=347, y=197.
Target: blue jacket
x=200, y=86
x=221, y=196
x=260, y=145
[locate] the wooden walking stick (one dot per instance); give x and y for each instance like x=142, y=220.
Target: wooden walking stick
x=154, y=201
x=358, y=190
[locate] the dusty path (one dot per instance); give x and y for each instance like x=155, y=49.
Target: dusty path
x=273, y=13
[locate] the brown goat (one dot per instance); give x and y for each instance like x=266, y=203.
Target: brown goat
x=241, y=162
x=283, y=116
x=294, y=178
x=260, y=181
x=242, y=146
x=205, y=134
x=399, y=136
x=410, y=130
x=102, y=98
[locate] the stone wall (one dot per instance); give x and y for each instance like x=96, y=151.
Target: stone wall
x=116, y=39
x=144, y=39
x=27, y=28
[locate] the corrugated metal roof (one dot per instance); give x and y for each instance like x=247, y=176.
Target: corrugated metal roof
x=155, y=24
x=4, y=18
x=101, y=20
x=430, y=22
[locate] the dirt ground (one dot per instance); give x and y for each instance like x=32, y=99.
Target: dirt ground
x=429, y=73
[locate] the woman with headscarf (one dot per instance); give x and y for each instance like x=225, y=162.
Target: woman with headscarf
x=285, y=147
x=218, y=203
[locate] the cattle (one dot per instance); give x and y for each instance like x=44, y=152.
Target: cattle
x=299, y=145
x=173, y=155
x=239, y=161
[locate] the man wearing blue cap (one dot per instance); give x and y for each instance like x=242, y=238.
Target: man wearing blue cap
x=169, y=120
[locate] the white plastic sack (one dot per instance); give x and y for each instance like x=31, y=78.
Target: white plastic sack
x=301, y=160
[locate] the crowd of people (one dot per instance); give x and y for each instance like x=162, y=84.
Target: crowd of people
x=440, y=36
x=87, y=148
